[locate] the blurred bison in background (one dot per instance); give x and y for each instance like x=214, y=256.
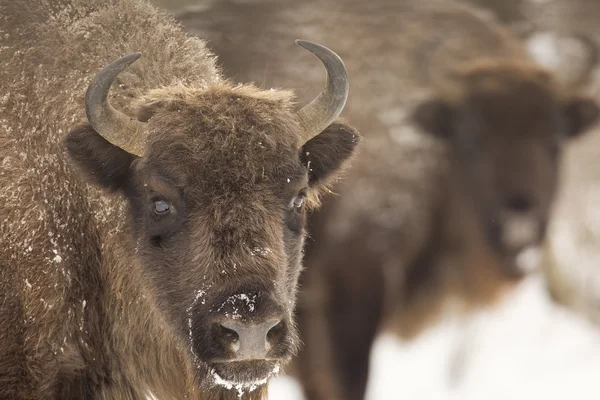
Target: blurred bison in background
x=177, y=279
x=448, y=204
x=574, y=234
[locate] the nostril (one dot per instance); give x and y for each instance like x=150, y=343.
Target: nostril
x=519, y=203
x=277, y=333
x=226, y=335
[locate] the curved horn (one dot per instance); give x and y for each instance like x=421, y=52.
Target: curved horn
x=111, y=124
x=325, y=108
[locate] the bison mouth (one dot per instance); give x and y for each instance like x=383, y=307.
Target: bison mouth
x=524, y=261
x=518, y=239
x=243, y=376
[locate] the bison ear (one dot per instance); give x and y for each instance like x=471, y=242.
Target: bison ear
x=106, y=164
x=327, y=153
x=434, y=117
x=581, y=113
x=147, y=111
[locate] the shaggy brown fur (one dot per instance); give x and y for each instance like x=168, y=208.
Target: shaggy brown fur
x=100, y=296
x=416, y=228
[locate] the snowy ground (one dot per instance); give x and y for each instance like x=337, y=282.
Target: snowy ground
x=526, y=348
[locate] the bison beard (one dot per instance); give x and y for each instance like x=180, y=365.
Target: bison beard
x=159, y=252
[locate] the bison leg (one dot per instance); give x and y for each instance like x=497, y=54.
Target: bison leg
x=355, y=316
x=339, y=316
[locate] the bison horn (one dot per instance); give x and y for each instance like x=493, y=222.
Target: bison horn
x=325, y=108
x=112, y=125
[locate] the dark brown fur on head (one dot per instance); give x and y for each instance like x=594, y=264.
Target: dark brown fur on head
x=229, y=166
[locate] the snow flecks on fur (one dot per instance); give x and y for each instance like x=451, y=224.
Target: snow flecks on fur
x=57, y=258
x=260, y=251
x=242, y=387
x=83, y=304
x=238, y=304
x=198, y=298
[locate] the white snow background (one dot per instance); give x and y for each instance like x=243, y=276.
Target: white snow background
x=524, y=348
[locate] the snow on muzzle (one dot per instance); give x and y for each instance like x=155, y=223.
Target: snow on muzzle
x=241, y=333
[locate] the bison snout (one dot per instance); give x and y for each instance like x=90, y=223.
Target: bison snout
x=520, y=204
x=252, y=341
x=522, y=222
x=242, y=328
x=522, y=228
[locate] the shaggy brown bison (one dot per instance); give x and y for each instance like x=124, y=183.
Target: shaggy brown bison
x=174, y=273
x=447, y=205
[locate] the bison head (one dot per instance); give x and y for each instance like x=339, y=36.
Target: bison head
x=506, y=124
x=219, y=181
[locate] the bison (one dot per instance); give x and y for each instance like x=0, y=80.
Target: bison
x=154, y=249
x=447, y=206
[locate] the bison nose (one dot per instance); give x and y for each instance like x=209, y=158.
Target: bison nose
x=519, y=204
x=253, y=341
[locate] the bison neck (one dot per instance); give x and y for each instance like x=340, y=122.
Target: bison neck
x=465, y=250
x=455, y=271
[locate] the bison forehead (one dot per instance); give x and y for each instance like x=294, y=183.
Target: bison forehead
x=499, y=78
x=228, y=133
x=524, y=111
x=506, y=96
x=222, y=117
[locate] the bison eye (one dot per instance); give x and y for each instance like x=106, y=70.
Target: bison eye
x=298, y=201
x=161, y=207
